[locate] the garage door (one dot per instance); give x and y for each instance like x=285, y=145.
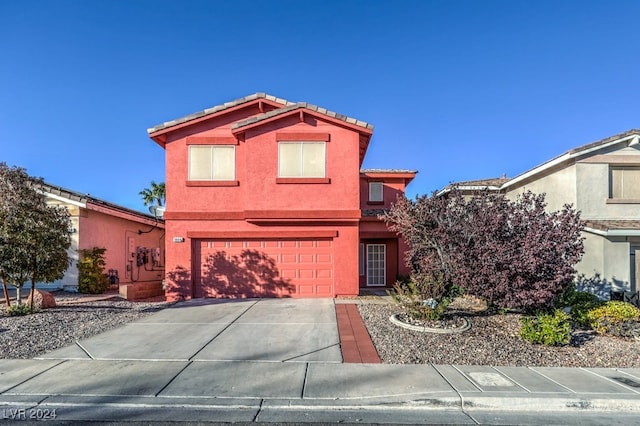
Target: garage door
x=263, y=268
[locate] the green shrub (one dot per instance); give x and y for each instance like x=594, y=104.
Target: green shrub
x=547, y=329
x=19, y=310
x=581, y=308
x=580, y=302
x=610, y=317
x=91, y=276
x=418, y=297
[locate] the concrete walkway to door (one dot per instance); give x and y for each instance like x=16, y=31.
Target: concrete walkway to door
x=280, y=330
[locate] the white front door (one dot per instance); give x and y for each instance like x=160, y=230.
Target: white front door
x=376, y=264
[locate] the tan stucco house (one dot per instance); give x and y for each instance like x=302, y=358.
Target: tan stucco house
x=602, y=181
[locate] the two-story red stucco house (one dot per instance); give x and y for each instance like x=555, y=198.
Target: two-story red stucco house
x=265, y=198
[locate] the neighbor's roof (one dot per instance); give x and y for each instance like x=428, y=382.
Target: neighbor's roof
x=630, y=136
x=86, y=200
x=613, y=228
x=285, y=107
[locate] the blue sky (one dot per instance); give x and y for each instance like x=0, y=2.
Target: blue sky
x=455, y=89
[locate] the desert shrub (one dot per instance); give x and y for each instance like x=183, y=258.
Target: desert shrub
x=581, y=308
x=551, y=329
x=421, y=298
x=609, y=317
x=579, y=302
x=19, y=310
x=91, y=276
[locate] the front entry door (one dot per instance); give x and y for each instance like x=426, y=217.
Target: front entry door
x=376, y=264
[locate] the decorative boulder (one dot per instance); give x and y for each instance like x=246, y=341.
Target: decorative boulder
x=43, y=299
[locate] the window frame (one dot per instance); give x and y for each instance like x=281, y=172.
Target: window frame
x=370, y=199
x=211, y=181
x=620, y=196
x=302, y=143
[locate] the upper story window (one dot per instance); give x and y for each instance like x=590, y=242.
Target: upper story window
x=212, y=162
x=301, y=159
x=625, y=183
x=375, y=192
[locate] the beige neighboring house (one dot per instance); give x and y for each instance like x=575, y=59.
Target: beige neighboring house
x=134, y=242
x=602, y=181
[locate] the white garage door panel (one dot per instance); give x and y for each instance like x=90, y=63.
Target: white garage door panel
x=264, y=268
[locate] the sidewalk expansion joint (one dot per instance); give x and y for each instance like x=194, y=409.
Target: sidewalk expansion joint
x=191, y=358
x=84, y=350
x=173, y=378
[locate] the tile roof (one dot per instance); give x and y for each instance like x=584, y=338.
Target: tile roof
x=218, y=108
x=86, y=198
x=604, y=141
x=576, y=152
x=504, y=183
x=287, y=106
x=387, y=171
x=608, y=225
x=481, y=182
x=301, y=105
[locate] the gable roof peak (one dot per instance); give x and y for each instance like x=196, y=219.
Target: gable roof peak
x=218, y=108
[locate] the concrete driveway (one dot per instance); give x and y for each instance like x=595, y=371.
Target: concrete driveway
x=278, y=330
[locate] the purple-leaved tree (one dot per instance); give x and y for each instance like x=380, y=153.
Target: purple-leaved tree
x=514, y=254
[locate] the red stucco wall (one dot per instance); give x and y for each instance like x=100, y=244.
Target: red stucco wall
x=99, y=229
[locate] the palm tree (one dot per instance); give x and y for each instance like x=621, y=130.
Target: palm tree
x=155, y=194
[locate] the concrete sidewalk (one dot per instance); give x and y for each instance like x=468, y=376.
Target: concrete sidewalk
x=279, y=360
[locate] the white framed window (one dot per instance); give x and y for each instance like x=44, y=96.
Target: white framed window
x=375, y=191
x=301, y=159
x=376, y=264
x=624, y=182
x=212, y=162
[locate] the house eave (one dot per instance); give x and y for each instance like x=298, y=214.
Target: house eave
x=632, y=137
x=613, y=232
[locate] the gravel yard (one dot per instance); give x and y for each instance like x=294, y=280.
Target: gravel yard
x=492, y=340
x=32, y=335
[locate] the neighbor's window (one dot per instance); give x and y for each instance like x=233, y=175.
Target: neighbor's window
x=375, y=191
x=212, y=162
x=301, y=159
x=625, y=183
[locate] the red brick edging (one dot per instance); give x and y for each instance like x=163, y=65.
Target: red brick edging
x=355, y=341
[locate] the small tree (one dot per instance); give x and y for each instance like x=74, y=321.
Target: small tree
x=91, y=276
x=155, y=194
x=514, y=254
x=34, y=237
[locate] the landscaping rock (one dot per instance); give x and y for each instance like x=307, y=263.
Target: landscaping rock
x=43, y=299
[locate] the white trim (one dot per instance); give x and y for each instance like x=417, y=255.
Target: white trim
x=63, y=199
x=469, y=188
x=614, y=232
x=561, y=159
x=384, y=265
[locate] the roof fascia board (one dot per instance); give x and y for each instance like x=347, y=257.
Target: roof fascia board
x=563, y=158
x=296, y=111
x=389, y=175
x=124, y=214
x=613, y=232
x=64, y=199
x=469, y=188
